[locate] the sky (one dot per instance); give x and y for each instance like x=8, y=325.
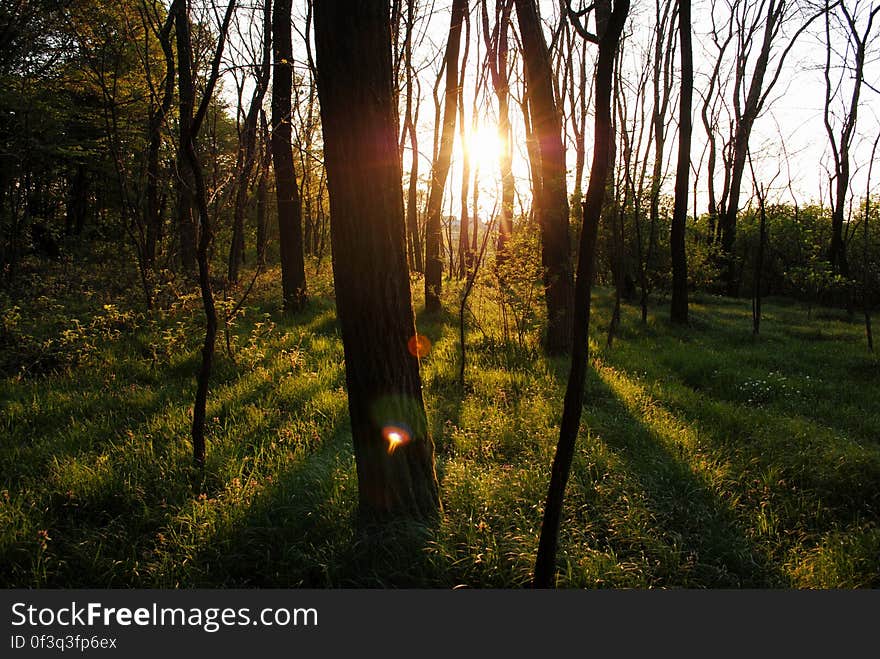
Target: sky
x=789, y=143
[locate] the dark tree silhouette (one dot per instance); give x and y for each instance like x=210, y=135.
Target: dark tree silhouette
x=496, y=56
x=679, y=304
x=433, y=261
x=290, y=239
x=610, y=24
x=393, y=449
x=551, y=202
x=190, y=124
x=841, y=137
x=247, y=149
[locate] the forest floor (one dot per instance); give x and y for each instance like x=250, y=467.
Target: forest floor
x=707, y=457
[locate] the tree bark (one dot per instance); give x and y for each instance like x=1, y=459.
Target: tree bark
x=496, y=54
x=552, y=204
x=248, y=147
x=545, y=563
x=393, y=448
x=433, y=259
x=290, y=238
x=679, y=304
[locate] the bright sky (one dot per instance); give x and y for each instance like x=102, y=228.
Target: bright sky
x=791, y=124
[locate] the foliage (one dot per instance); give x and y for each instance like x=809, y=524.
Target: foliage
x=515, y=284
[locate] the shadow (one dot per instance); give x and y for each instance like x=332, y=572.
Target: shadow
x=302, y=530
x=108, y=485
x=672, y=513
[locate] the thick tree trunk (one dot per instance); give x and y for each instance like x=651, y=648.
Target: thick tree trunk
x=545, y=563
x=393, y=448
x=679, y=305
x=552, y=204
x=433, y=259
x=290, y=238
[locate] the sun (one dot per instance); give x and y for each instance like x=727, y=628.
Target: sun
x=484, y=147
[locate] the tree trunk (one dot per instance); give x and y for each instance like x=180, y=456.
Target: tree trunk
x=465, y=254
x=186, y=95
x=190, y=125
x=679, y=305
x=393, y=449
x=545, y=563
x=153, y=220
x=759, y=262
x=247, y=149
x=414, y=242
x=78, y=201
x=496, y=54
x=263, y=191
x=552, y=204
x=290, y=239
x=433, y=231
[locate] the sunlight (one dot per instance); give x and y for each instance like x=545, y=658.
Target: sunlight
x=484, y=146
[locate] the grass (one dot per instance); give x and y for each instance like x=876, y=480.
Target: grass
x=707, y=458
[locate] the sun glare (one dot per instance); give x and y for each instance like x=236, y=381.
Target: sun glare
x=484, y=147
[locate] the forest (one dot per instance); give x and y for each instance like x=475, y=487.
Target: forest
x=439, y=294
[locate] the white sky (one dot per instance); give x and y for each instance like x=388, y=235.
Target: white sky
x=793, y=116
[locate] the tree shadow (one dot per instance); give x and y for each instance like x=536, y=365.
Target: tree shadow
x=694, y=534
x=302, y=530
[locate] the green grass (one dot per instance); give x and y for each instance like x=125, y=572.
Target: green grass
x=707, y=457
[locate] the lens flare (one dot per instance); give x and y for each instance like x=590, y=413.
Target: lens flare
x=419, y=346
x=395, y=436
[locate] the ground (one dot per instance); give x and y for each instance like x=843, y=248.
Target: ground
x=707, y=457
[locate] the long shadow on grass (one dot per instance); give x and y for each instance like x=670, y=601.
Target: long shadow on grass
x=301, y=530
x=125, y=488
x=729, y=365
x=696, y=526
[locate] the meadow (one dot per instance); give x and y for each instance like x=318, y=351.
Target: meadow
x=707, y=458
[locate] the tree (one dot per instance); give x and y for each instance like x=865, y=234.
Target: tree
x=750, y=98
x=679, y=304
x=290, y=238
x=190, y=124
x=440, y=170
x=496, y=55
x=158, y=112
x=664, y=39
x=551, y=201
x=247, y=149
x=411, y=117
x=465, y=253
x=852, y=67
x=609, y=26
x=393, y=448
